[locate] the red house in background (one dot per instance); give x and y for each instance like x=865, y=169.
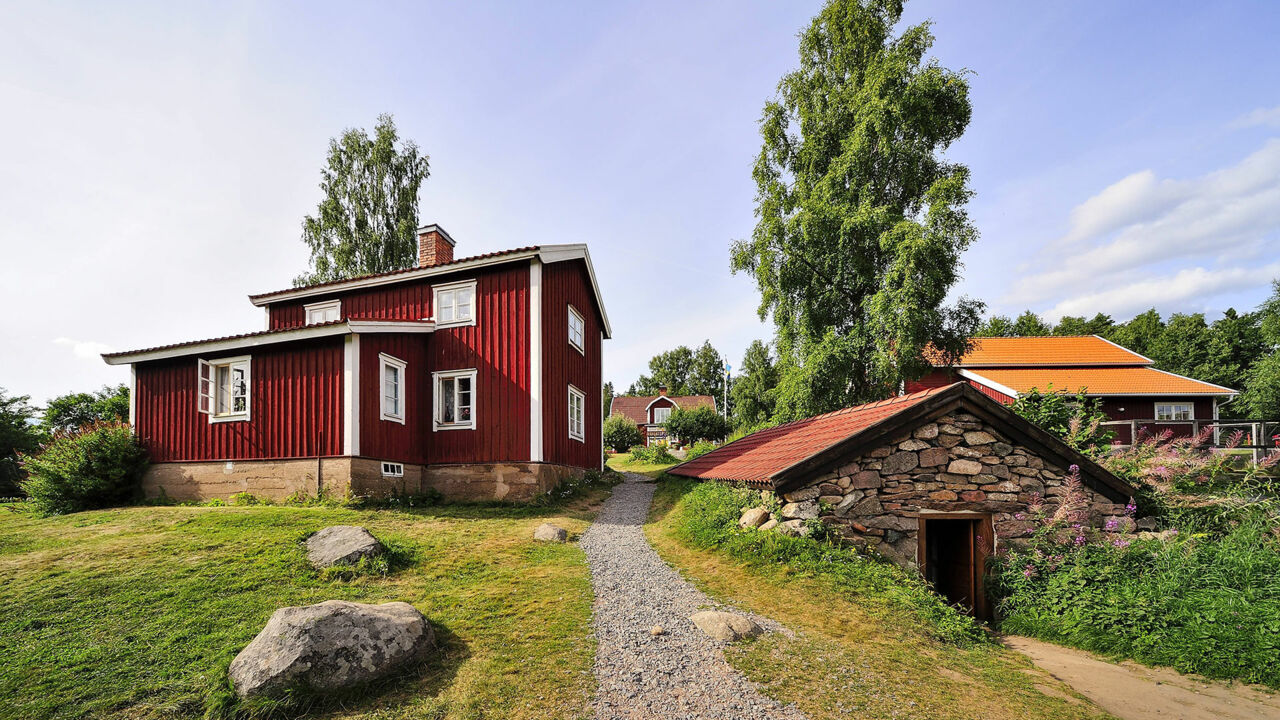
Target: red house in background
x=1133, y=394
x=479, y=377
x=649, y=412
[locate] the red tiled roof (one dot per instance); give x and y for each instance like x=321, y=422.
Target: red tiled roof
x=485, y=256
x=758, y=456
x=634, y=406
x=1059, y=350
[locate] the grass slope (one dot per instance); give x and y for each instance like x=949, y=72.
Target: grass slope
x=857, y=659
x=622, y=462
x=137, y=612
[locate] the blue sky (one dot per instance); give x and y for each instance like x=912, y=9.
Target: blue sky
x=159, y=157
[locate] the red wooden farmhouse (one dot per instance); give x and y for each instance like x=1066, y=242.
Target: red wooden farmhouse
x=1134, y=395
x=649, y=412
x=479, y=377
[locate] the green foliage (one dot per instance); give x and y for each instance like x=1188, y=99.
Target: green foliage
x=606, y=399
x=621, y=433
x=1074, y=418
x=368, y=219
x=1261, y=396
x=75, y=410
x=1100, y=324
x=698, y=449
x=1199, y=603
x=708, y=519
x=97, y=466
x=577, y=486
x=683, y=371
x=861, y=220
x=18, y=436
x=752, y=392
x=653, y=455
x=700, y=423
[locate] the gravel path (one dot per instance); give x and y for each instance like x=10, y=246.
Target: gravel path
x=680, y=674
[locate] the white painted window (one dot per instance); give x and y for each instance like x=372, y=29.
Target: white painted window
x=390, y=469
x=455, y=303
x=455, y=400
x=323, y=312
x=392, y=371
x=577, y=424
x=661, y=414
x=1175, y=411
x=223, y=388
x=577, y=331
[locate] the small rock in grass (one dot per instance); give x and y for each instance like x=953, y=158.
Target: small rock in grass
x=550, y=533
x=794, y=527
x=724, y=626
x=341, y=545
x=769, y=525
x=657, y=630
x=753, y=517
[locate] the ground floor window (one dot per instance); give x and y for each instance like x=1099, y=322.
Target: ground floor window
x=577, y=401
x=223, y=388
x=1175, y=411
x=455, y=400
x=390, y=469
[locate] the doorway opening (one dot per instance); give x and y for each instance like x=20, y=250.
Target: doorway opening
x=953, y=555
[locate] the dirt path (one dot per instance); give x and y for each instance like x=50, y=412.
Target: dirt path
x=680, y=673
x=1135, y=692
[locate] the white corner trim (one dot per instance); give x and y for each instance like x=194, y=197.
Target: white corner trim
x=535, y=361
x=970, y=375
x=351, y=396
x=133, y=396
x=385, y=361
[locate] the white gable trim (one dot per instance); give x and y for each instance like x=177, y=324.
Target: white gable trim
x=988, y=383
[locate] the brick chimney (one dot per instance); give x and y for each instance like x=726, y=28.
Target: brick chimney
x=662, y=390
x=435, y=247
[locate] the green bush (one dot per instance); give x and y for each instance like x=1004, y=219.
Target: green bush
x=97, y=466
x=698, y=449
x=653, y=455
x=621, y=432
x=700, y=423
x=707, y=518
x=1204, y=601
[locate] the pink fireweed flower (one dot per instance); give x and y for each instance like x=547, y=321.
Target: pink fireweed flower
x=1120, y=542
x=1112, y=524
x=1029, y=571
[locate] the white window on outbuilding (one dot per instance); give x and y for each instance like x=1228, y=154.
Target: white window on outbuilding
x=1175, y=411
x=455, y=400
x=223, y=388
x=577, y=405
x=660, y=414
x=577, y=331
x=323, y=312
x=392, y=371
x=455, y=303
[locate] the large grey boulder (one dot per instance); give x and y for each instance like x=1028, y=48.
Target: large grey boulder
x=753, y=517
x=342, y=545
x=724, y=626
x=331, y=646
x=547, y=532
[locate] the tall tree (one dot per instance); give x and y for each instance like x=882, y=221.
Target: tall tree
x=606, y=398
x=368, y=219
x=1099, y=324
x=18, y=434
x=683, y=371
x=706, y=373
x=1183, y=346
x=861, y=222
x=995, y=326
x=75, y=410
x=1029, y=324
x=1140, y=334
x=753, y=389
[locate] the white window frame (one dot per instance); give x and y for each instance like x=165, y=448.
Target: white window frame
x=451, y=289
x=579, y=432
x=392, y=469
x=438, y=399
x=207, y=388
x=657, y=410
x=581, y=342
x=1190, y=406
x=388, y=361
x=323, y=309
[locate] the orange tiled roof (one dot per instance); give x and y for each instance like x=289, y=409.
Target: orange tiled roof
x=1064, y=350
x=636, y=406
x=1132, y=380
x=756, y=457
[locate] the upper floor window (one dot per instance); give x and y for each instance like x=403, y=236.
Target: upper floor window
x=323, y=312
x=577, y=401
x=391, y=369
x=661, y=414
x=223, y=386
x=455, y=400
x=577, y=331
x=1175, y=411
x=455, y=303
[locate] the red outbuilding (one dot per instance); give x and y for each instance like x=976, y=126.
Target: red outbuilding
x=478, y=377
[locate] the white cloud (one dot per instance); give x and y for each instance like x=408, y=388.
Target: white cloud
x=1143, y=238
x=84, y=348
x=1266, y=117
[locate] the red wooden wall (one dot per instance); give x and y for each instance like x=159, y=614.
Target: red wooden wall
x=403, y=301
x=566, y=283
x=658, y=403
x=295, y=407
x=1144, y=408
x=385, y=439
x=936, y=378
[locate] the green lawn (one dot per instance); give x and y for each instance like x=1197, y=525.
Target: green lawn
x=137, y=612
x=852, y=659
x=622, y=462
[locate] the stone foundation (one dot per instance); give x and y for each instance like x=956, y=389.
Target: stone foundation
x=955, y=464
x=279, y=479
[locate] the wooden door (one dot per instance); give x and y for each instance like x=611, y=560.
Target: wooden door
x=953, y=555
